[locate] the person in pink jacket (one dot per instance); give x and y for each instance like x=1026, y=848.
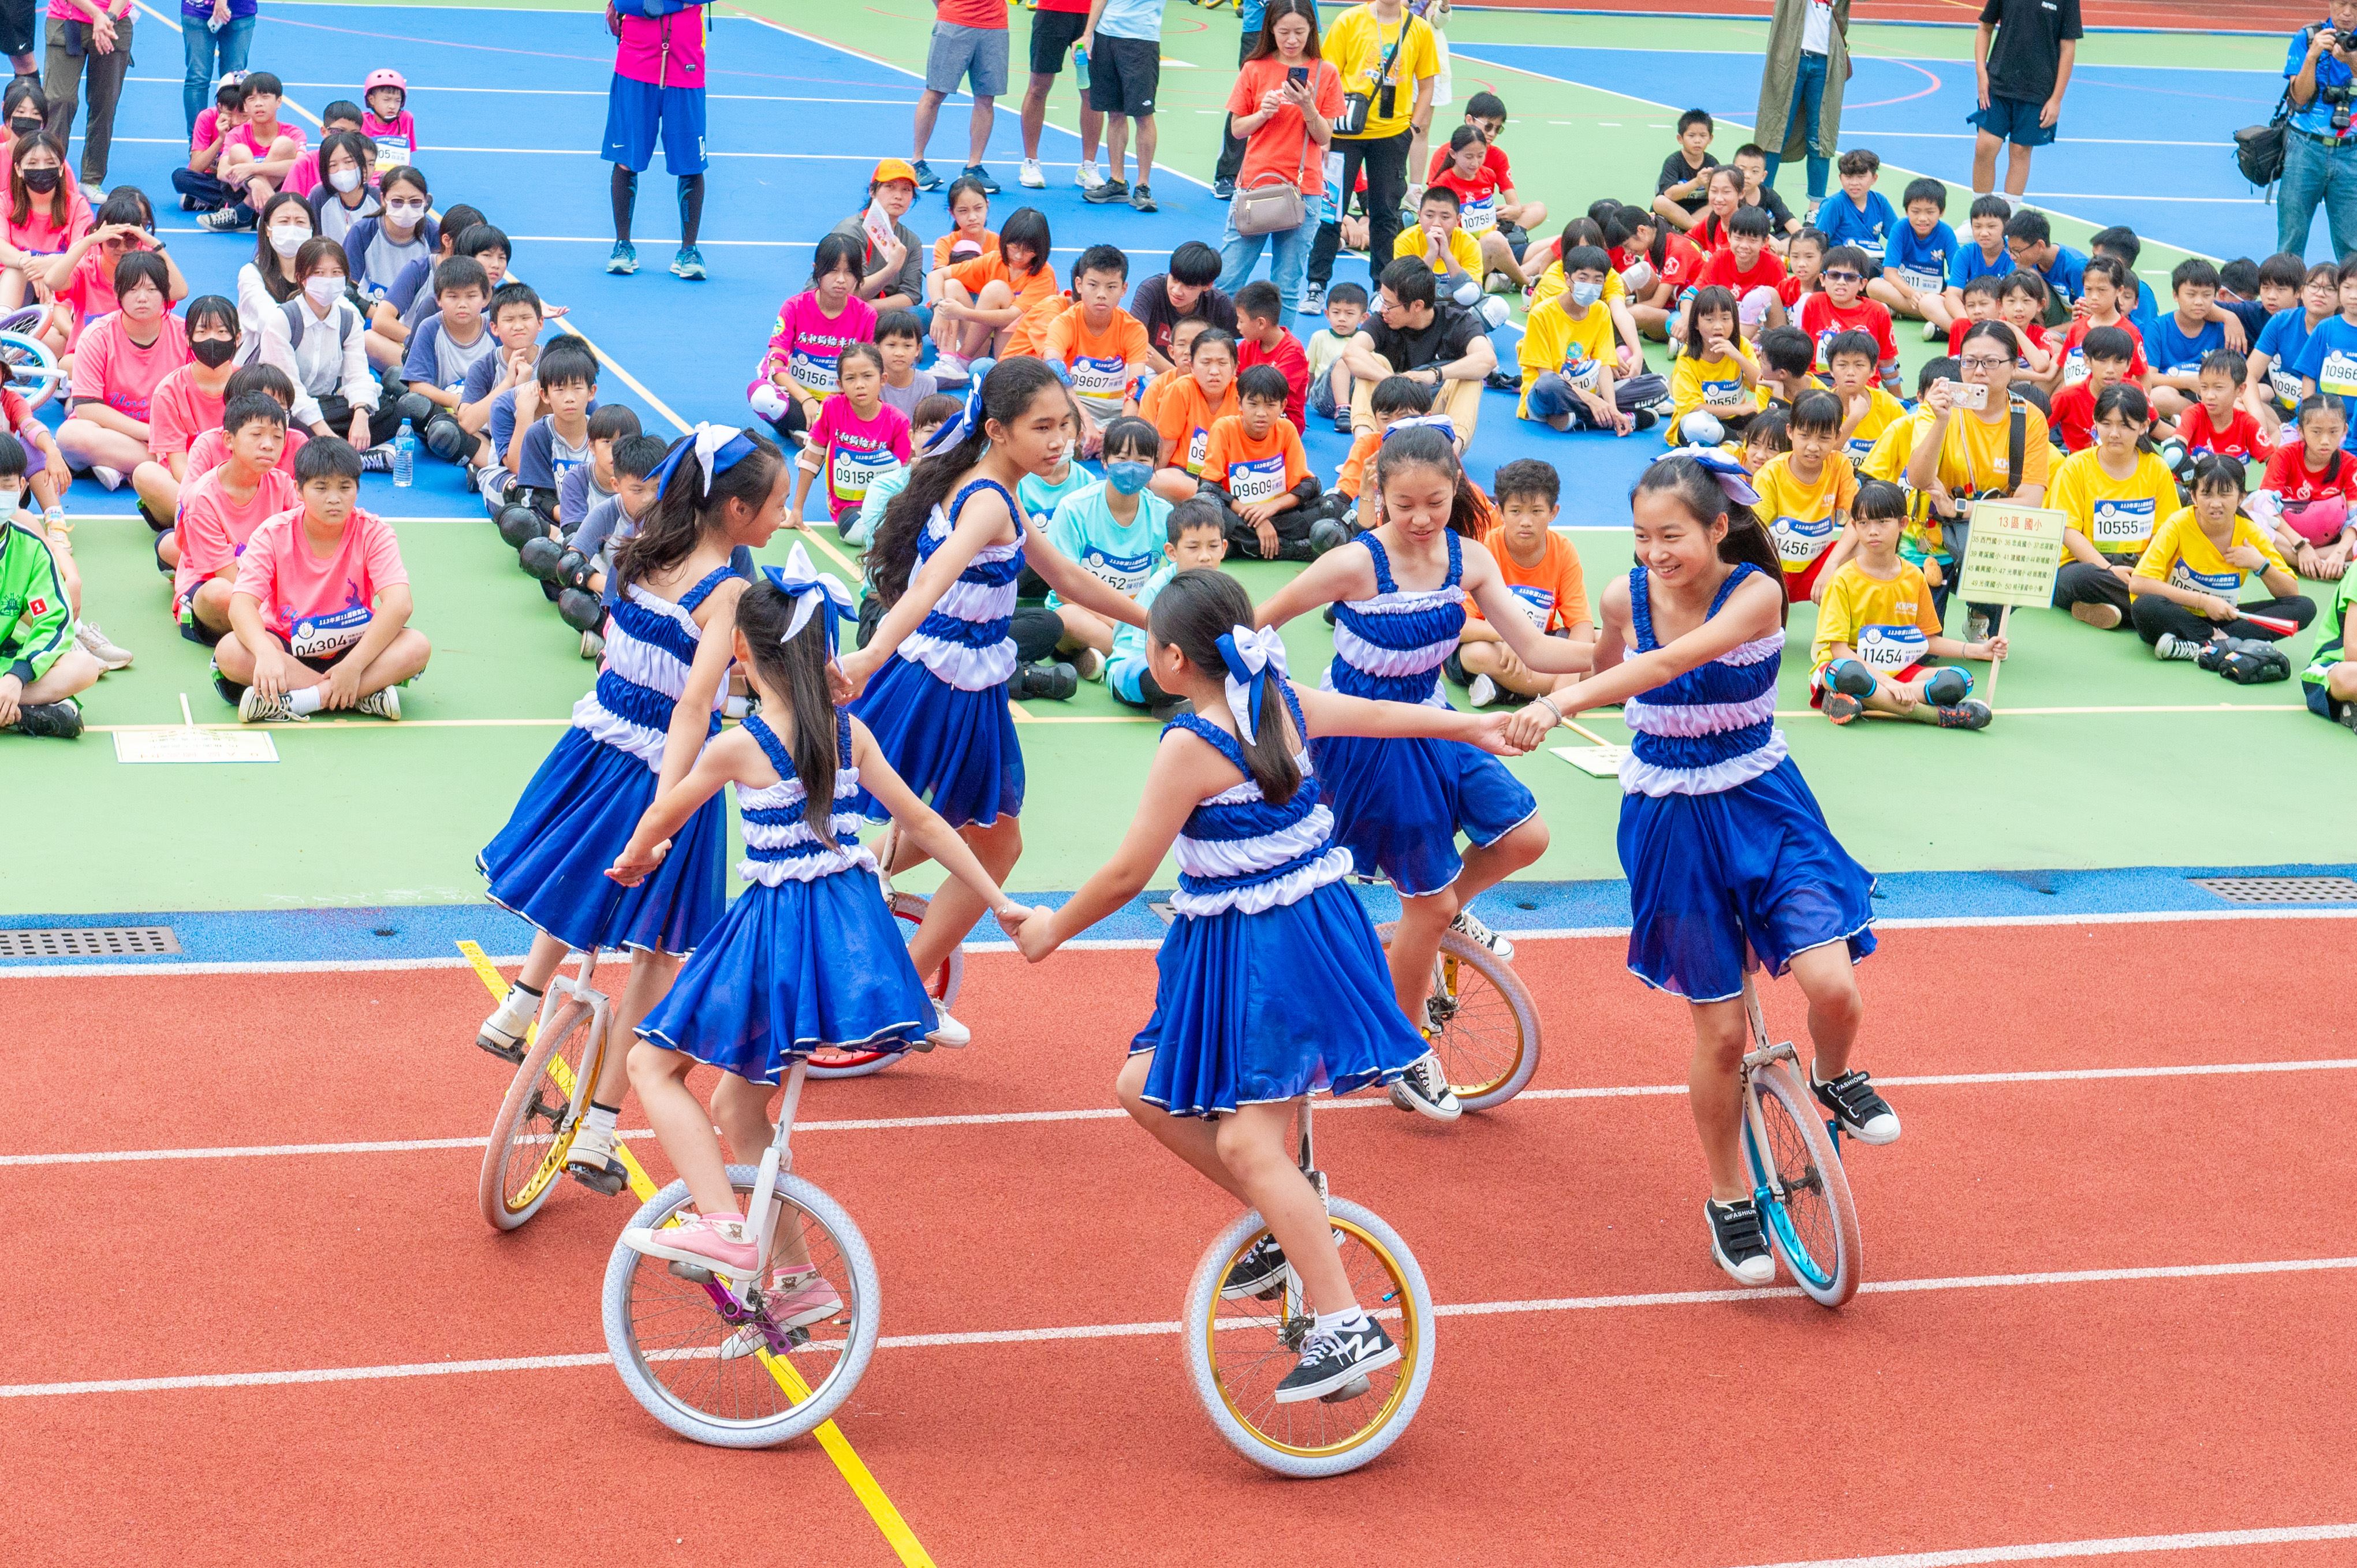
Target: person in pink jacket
x=658, y=87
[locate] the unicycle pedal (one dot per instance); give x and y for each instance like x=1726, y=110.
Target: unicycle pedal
x=1356, y=1388
x=694, y=1273
x=511, y=1055
x=604, y=1183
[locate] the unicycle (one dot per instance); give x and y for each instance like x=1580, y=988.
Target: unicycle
x=1479, y=1020
x=546, y=1100
x=32, y=366
x=720, y=1359
x=1794, y=1157
x=1238, y=1351
x=942, y=985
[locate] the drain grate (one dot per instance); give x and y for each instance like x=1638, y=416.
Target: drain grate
x=2281, y=890
x=88, y=941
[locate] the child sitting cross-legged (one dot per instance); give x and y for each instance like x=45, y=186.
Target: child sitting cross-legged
x=1542, y=572
x=1568, y=354
x=440, y=354
x=2112, y=497
x=1257, y=472
x=1099, y=349
x=1195, y=534
x=931, y=413
x=2217, y=422
x=1115, y=529
x=220, y=511
x=2310, y=487
x=1262, y=339
x=1860, y=215
x=2187, y=584
x=1190, y=407
x=542, y=435
x=320, y=613
x=1715, y=388
x=1877, y=625
x=41, y=667
x=1915, y=260
x=1330, y=382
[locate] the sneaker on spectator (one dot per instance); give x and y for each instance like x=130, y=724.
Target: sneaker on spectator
x=981, y=176
x=1223, y=189
x=1088, y=175
x=384, y=704
x=253, y=708
x=625, y=259
x=227, y=221
x=49, y=721
x=1313, y=299
x=377, y=460
x=111, y=478
x=1090, y=665
x=1142, y=199
x=1108, y=191
x=592, y=646
x=1031, y=177
x=688, y=264
x=926, y=178
x=1481, y=692
x=93, y=641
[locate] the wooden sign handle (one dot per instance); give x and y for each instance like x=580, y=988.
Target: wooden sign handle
x=1996, y=667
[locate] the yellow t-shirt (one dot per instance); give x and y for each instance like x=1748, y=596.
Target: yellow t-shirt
x=1799, y=515
x=1714, y=386
x=1577, y=348
x=1882, y=411
x=1973, y=455
x=1551, y=284
x=1355, y=46
x=1884, y=621
x=1463, y=248
x=1887, y=460
x=2117, y=516
x=2181, y=555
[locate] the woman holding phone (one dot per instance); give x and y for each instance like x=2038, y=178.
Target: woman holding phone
x=1283, y=106
x=1967, y=448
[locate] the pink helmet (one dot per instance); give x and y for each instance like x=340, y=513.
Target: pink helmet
x=385, y=77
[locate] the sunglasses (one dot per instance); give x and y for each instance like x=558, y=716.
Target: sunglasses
x=1845, y=276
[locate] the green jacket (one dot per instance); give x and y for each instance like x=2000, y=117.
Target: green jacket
x=2332, y=640
x=36, y=623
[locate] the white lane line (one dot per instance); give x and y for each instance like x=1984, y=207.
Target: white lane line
x=1161, y=1330
x=1113, y=1114
x=2118, y=1546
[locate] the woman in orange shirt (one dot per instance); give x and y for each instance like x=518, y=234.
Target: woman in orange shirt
x=977, y=304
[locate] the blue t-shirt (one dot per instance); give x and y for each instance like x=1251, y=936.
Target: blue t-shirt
x=1129, y=641
x=2068, y=274
x=2331, y=70
x=2330, y=361
x=1920, y=258
x=2174, y=351
x=1040, y=497
x=1252, y=13
x=1130, y=19
x=2282, y=340
x=1969, y=264
x=1842, y=223
x=1123, y=555
x=2250, y=314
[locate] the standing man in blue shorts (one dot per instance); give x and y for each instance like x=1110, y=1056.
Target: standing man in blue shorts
x=2023, y=55
x=658, y=87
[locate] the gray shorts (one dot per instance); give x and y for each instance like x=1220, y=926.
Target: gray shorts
x=978, y=54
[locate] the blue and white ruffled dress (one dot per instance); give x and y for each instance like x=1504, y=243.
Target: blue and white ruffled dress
x=1720, y=838
x=809, y=955
x=548, y=864
x=938, y=710
x=1399, y=804
x=1273, y=982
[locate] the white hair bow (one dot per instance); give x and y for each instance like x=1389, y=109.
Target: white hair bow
x=718, y=449
x=811, y=590
x=1251, y=656
x=1439, y=422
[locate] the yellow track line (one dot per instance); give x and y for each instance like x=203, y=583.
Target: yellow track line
x=856, y=1474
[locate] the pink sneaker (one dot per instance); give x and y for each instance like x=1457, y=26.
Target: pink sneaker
x=795, y=1300
x=706, y=1239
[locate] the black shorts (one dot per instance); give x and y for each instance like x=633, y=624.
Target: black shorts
x=1123, y=76
x=1052, y=35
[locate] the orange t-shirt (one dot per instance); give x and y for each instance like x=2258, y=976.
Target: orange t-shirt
x=1032, y=292
x=1554, y=593
x=1253, y=470
x=1354, y=472
x=1098, y=361
x=1150, y=402
x=941, y=257
x=1185, y=418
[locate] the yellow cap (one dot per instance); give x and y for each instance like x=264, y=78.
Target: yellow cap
x=890, y=169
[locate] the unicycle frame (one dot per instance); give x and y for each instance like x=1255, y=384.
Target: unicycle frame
x=1831, y=1280
x=580, y=989
x=733, y=1302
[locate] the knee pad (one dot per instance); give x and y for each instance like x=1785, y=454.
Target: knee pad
x=540, y=556
x=1946, y=688
x=415, y=408
x=445, y=438
x=1493, y=311
x=2250, y=662
x=1466, y=293
x=519, y=525
x=768, y=403
x=1851, y=678
x=1700, y=429
x=581, y=609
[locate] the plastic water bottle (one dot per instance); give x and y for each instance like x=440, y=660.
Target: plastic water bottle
x=404, y=456
x=1081, y=69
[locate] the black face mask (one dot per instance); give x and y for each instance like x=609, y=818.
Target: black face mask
x=212, y=353
x=24, y=127
x=42, y=179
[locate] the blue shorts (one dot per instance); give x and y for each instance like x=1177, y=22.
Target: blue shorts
x=636, y=110
x=2014, y=120
x=1121, y=677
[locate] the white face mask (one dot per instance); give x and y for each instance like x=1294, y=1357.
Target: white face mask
x=1584, y=294
x=324, y=291
x=8, y=500
x=345, y=179
x=286, y=238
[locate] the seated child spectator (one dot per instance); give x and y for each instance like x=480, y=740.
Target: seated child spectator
x=255, y=154
x=1747, y=269
x=81, y=280
x=548, y=436
x=2217, y=422
x=1916, y=258
x=2328, y=364
x=2102, y=288
x=1262, y=339
x=1189, y=409
x=383, y=247
x=900, y=338
x=493, y=383
x=970, y=234
x=41, y=667
x=2113, y=496
x=416, y=279
x=931, y=414
x=1567, y=355
x=209, y=450
x=1867, y=410
x=1804, y=265
x=1255, y=469
x=116, y=368
x=1788, y=357
x=1440, y=241
x=1805, y=497
x=1841, y=306
x=2186, y=338
x=797, y=373
x=199, y=182
x=1516, y=220
x=1723, y=193
x=441, y=353
x=1194, y=537
x=2030, y=241
x=1769, y=432
x=389, y=123
x=1877, y=627
x=2120, y=243
x=858, y=438
x=1985, y=256
x=44, y=213
x=1981, y=300
x=1625, y=326
x=1757, y=192
x=1466, y=173
x=1182, y=362
x=337, y=119
x=2310, y=491
x=319, y=616
x=221, y=507
x=1654, y=268
x=588, y=483
x=611, y=520
x=2273, y=392
x=2022, y=305
x=2186, y=586
x=345, y=196
x=1096, y=346
x=320, y=341
x=2107, y=355
x=1685, y=181
x=1329, y=379
x=1861, y=216
x=2239, y=287
x=187, y=401
x=978, y=304
x=2329, y=681
x=1187, y=292
x=1116, y=529
x=1715, y=380
x=488, y=246
x=1395, y=398
x=1542, y=572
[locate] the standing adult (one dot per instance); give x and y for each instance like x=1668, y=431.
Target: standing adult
x=1252, y=15
x=1284, y=103
x=1800, y=88
x=1123, y=40
x=97, y=31
x=1056, y=25
x=970, y=45
x=18, y=37
x=658, y=87
x=216, y=36
x=1379, y=49
x=2023, y=55
x=2320, y=143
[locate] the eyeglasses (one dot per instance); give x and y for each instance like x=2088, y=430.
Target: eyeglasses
x=1845, y=276
x=1976, y=362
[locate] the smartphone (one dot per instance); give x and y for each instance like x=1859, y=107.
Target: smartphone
x=1297, y=75
x=1967, y=394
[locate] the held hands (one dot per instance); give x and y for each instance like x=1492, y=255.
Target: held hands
x=1502, y=733
x=1526, y=727
x=1035, y=939
x=854, y=670
x=634, y=864
x=838, y=684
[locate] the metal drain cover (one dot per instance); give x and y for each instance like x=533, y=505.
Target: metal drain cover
x=2281, y=890
x=88, y=941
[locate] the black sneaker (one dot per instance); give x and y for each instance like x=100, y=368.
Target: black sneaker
x=1112, y=190
x=1332, y=1359
x=49, y=721
x=1424, y=1089
x=1055, y=683
x=377, y=460
x=1643, y=419
x=1223, y=189
x=1860, y=1111
x=926, y=178
x=1341, y=422
x=1142, y=199
x=1260, y=1273
x=1737, y=1244
x=980, y=176
x=1970, y=714
x=1504, y=380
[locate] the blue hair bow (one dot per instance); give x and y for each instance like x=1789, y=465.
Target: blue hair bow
x=1734, y=481
x=811, y=590
x=718, y=449
x=969, y=418
x=1439, y=422
x=1249, y=656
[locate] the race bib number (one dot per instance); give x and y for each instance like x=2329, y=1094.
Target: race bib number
x=1199, y=446
x=1860, y=448
x=2225, y=585
x=1578, y=368
x=2338, y=374
x=1800, y=541
x=1098, y=378
x=1724, y=394
x=1329, y=206
x=1478, y=217
x=2284, y=384
x=1922, y=281
x=1887, y=649
x=1536, y=603
x=851, y=472
x=811, y=372
x=2118, y=522
x=1261, y=480
x=392, y=151
x=2075, y=367
x=1825, y=340
x=1124, y=574
x=316, y=637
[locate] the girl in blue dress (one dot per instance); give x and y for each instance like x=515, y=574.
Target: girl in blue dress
x=1723, y=844
x=1399, y=602
x=810, y=956
x=932, y=682
x=1271, y=980
x=672, y=611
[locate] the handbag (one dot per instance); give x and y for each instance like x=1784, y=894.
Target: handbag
x=1356, y=106
x=1273, y=204
x=2259, y=149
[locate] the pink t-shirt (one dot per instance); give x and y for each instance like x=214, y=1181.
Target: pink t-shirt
x=209, y=450
x=91, y=290
x=806, y=341
x=856, y=452
x=665, y=50
x=208, y=130
x=109, y=368
x=177, y=411
x=252, y=141
x=395, y=139
x=302, y=175
x=68, y=219
x=214, y=530
x=321, y=606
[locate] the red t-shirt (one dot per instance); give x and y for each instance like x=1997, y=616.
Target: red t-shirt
x=2034, y=335
x=1721, y=271
x=1822, y=320
x=2074, y=353
x=1494, y=168
x=1289, y=356
x=1282, y=146
x=2240, y=438
x=2072, y=416
x=987, y=13
x=2289, y=475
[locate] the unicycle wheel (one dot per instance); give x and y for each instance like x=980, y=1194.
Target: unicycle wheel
x=942, y=985
x=32, y=366
x=1814, y=1227
x=667, y=1333
x=1485, y=1025
x=529, y=1138
x=1238, y=1351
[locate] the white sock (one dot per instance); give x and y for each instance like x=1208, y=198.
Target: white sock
x=304, y=699
x=600, y=1120
x=1349, y=1318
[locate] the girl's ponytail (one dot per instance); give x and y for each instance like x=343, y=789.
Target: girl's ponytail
x=796, y=665
x=1002, y=393
x=1197, y=612
x=688, y=503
